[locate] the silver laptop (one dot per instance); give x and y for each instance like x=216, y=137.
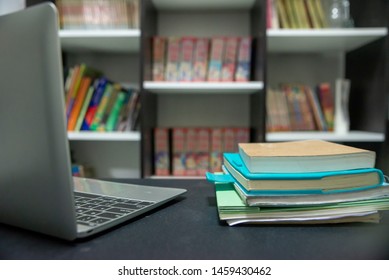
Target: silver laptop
x=37, y=191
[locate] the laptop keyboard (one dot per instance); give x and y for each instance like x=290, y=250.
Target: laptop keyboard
x=93, y=210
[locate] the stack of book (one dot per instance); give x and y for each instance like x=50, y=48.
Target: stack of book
x=309, y=181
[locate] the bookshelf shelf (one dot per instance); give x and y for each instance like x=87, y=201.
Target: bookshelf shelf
x=126, y=40
x=352, y=136
x=104, y=136
x=202, y=4
x=321, y=40
x=206, y=88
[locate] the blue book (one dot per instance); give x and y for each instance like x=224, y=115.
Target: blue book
x=312, y=182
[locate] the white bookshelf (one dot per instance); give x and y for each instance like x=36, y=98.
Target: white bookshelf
x=114, y=52
x=352, y=136
x=321, y=40
x=126, y=40
x=203, y=87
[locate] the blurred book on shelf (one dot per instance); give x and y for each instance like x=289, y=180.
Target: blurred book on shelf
x=102, y=14
x=195, y=59
x=192, y=151
x=296, y=14
x=94, y=103
x=299, y=107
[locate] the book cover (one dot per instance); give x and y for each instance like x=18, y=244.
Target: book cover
x=172, y=60
x=272, y=199
x=320, y=182
x=203, y=151
x=161, y=151
x=304, y=156
x=179, y=151
x=216, y=59
x=159, y=54
x=200, y=59
x=243, y=67
x=185, y=70
x=229, y=59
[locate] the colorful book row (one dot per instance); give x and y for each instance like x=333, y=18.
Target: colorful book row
x=96, y=104
x=296, y=14
x=102, y=14
x=190, y=59
x=194, y=151
x=296, y=107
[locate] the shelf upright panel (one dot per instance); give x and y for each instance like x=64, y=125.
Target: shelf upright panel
x=258, y=71
x=367, y=68
x=148, y=100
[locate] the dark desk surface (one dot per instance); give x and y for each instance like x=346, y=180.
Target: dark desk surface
x=189, y=228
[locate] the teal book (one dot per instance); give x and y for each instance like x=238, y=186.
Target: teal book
x=312, y=182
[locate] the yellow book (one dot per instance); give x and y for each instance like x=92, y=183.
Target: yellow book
x=291, y=13
x=320, y=13
x=282, y=15
x=312, y=14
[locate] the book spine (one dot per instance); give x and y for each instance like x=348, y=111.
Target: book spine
x=173, y=56
x=84, y=108
x=96, y=98
x=179, y=151
x=203, y=150
x=191, y=152
x=327, y=104
x=101, y=108
x=114, y=114
x=159, y=50
x=216, y=59
x=200, y=59
x=161, y=152
x=186, y=59
x=244, y=60
x=216, y=157
x=229, y=59
x=79, y=100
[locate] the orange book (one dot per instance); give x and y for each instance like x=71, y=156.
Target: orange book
x=84, y=86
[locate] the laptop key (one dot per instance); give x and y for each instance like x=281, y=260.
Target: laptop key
x=85, y=218
x=120, y=210
x=109, y=215
x=99, y=221
x=93, y=212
